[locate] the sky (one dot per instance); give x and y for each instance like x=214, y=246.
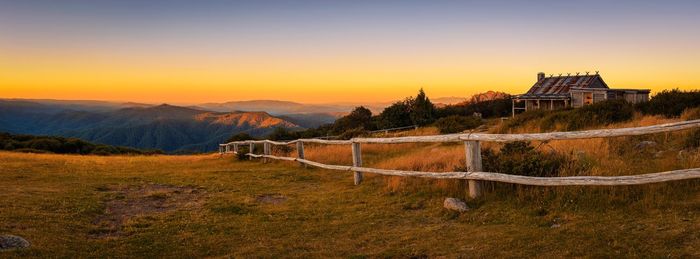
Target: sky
x=336, y=51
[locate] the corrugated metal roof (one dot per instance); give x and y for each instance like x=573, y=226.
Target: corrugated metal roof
x=560, y=85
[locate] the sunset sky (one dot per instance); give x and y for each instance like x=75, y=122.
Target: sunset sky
x=336, y=51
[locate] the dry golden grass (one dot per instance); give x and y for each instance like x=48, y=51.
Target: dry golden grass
x=423, y=131
x=56, y=200
x=248, y=209
x=601, y=156
x=691, y=114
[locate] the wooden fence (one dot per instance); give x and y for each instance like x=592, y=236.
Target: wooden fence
x=386, y=131
x=472, y=149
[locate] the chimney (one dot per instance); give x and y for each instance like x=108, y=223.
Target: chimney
x=540, y=76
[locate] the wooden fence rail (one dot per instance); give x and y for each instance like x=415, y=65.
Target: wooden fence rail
x=474, y=172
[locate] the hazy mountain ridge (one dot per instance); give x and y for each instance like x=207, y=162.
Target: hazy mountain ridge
x=487, y=96
x=275, y=107
x=449, y=100
x=167, y=127
x=311, y=120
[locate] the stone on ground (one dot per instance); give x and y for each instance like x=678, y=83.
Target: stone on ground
x=12, y=242
x=455, y=204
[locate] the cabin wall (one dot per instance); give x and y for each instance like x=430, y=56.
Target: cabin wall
x=581, y=98
x=631, y=96
x=636, y=97
x=599, y=96
x=545, y=104
x=576, y=99
x=531, y=105
x=642, y=97
x=559, y=104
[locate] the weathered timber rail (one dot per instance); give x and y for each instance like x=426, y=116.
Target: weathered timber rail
x=474, y=172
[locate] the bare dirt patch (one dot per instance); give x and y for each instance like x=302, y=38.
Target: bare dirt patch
x=136, y=205
x=273, y=198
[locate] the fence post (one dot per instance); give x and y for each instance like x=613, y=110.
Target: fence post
x=300, y=152
x=251, y=149
x=357, y=161
x=235, y=148
x=473, y=154
x=266, y=151
x=221, y=152
x=228, y=148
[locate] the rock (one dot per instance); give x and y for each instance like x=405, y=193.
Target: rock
x=681, y=155
x=645, y=144
x=555, y=225
x=12, y=242
x=659, y=154
x=273, y=198
x=455, y=204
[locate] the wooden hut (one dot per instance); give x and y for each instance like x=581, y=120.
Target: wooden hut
x=558, y=92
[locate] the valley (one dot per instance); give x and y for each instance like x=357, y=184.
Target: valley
x=171, y=128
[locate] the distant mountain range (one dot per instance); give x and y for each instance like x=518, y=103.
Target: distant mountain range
x=448, y=100
x=487, y=96
x=167, y=127
x=274, y=107
x=192, y=128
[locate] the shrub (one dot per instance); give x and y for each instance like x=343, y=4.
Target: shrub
x=360, y=117
x=282, y=134
x=323, y=130
x=692, y=140
x=242, y=151
x=358, y=132
x=455, y=123
x=282, y=150
x=671, y=103
x=103, y=150
x=521, y=158
x=153, y=152
x=239, y=137
x=47, y=144
x=10, y=145
x=602, y=113
x=488, y=109
x=31, y=150
x=396, y=115
x=60, y=145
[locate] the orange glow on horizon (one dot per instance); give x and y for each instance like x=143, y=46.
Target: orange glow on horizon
x=309, y=83
x=335, y=51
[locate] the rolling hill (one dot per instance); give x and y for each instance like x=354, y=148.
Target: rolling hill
x=167, y=127
x=275, y=107
x=305, y=115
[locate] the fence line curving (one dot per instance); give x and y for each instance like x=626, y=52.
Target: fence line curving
x=474, y=172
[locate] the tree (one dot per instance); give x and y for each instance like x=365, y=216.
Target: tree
x=422, y=110
x=239, y=137
x=396, y=115
x=360, y=117
x=488, y=109
x=281, y=133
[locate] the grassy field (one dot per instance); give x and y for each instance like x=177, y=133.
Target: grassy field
x=207, y=206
